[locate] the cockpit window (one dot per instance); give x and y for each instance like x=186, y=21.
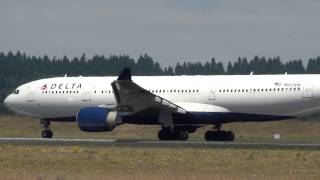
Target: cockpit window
x=15, y=91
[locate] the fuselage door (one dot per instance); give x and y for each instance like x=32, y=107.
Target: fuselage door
x=30, y=95
x=212, y=95
x=307, y=90
x=86, y=96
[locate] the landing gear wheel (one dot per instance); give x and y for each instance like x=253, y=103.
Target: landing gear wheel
x=166, y=134
x=47, y=134
x=219, y=136
x=230, y=136
x=181, y=135
x=209, y=136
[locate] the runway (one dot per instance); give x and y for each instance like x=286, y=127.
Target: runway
x=154, y=143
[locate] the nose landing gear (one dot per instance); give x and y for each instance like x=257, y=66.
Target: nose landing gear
x=46, y=133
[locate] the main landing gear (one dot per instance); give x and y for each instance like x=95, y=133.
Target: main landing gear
x=169, y=134
x=46, y=133
x=219, y=135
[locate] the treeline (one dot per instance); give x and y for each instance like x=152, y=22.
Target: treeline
x=18, y=68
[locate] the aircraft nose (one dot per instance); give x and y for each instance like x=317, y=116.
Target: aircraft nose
x=7, y=101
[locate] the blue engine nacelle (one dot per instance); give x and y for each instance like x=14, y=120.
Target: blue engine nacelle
x=97, y=119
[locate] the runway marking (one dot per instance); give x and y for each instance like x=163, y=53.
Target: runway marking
x=155, y=143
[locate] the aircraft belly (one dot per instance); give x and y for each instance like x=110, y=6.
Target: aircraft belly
x=272, y=107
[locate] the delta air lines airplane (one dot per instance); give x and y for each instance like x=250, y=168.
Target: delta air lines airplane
x=179, y=104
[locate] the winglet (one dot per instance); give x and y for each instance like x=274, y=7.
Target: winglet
x=125, y=74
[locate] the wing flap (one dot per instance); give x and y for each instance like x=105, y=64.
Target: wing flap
x=200, y=107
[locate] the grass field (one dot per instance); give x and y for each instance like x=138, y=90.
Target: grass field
x=79, y=162
x=98, y=162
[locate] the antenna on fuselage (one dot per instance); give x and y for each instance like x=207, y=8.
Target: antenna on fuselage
x=66, y=75
x=285, y=73
x=251, y=73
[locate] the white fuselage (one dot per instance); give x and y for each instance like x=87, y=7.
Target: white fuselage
x=285, y=95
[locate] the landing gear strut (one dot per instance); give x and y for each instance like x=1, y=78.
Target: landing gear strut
x=46, y=133
x=219, y=135
x=168, y=134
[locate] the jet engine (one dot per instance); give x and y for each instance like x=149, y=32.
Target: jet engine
x=97, y=119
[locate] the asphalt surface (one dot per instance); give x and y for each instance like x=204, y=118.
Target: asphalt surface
x=154, y=143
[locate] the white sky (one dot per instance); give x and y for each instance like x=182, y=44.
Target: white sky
x=168, y=30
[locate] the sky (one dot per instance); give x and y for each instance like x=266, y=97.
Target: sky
x=170, y=31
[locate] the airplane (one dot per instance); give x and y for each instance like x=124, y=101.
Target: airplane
x=179, y=104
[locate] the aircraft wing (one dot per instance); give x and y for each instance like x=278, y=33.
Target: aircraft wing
x=132, y=98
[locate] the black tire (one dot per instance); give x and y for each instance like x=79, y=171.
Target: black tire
x=164, y=135
x=181, y=135
x=46, y=134
x=230, y=136
x=219, y=136
x=50, y=134
x=209, y=136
